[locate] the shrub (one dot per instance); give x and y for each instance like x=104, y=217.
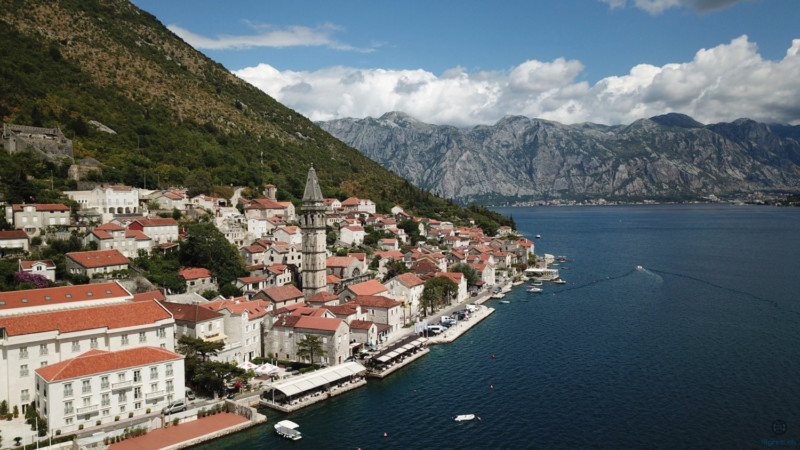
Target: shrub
x=80, y=427
x=98, y=422
x=58, y=432
x=116, y=418
x=175, y=421
x=130, y=414
x=148, y=410
x=202, y=412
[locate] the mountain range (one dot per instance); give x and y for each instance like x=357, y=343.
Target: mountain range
x=518, y=159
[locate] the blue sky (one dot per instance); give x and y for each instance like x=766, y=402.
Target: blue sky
x=472, y=62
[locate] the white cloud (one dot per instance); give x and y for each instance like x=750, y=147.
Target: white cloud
x=267, y=36
x=655, y=7
x=723, y=83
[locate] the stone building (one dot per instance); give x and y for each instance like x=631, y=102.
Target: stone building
x=50, y=143
x=312, y=223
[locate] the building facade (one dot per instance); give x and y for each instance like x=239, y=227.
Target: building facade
x=312, y=223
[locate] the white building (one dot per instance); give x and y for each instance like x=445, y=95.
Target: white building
x=16, y=240
x=407, y=289
x=108, y=200
x=45, y=268
x=33, y=217
x=34, y=340
x=101, y=386
x=159, y=229
x=352, y=235
x=243, y=321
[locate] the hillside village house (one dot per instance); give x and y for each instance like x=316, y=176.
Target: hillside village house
x=265, y=208
x=281, y=296
x=107, y=200
x=370, y=287
x=407, y=290
x=110, y=236
x=34, y=217
x=243, y=322
x=344, y=267
x=159, y=229
x=388, y=244
x=98, y=262
x=352, y=235
x=231, y=228
x=287, y=331
x=364, y=332
x=250, y=285
x=198, y=322
x=381, y=310
x=14, y=241
x=198, y=279
x=332, y=204
x=461, y=281
x=101, y=385
x=283, y=253
x=354, y=204
x=39, y=339
x=277, y=275
x=212, y=204
x=168, y=200
x=253, y=254
x=290, y=235
x=44, y=267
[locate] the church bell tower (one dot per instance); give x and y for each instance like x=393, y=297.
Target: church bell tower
x=312, y=223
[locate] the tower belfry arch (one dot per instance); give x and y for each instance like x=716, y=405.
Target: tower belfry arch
x=312, y=224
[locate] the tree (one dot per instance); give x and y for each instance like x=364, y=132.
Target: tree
x=469, y=273
x=198, y=348
x=205, y=246
x=436, y=290
x=395, y=268
x=309, y=346
x=412, y=230
x=199, y=182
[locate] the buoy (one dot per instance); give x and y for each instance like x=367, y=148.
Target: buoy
x=385, y=434
x=415, y=390
x=492, y=356
x=479, y=418
x=491, y=386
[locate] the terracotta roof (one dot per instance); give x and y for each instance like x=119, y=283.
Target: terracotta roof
x=27, y=265
x=248, y=280
x=110, y=227
x=136, y=234
x=391, y=254
x=157, y=222
x=254, y=249
x=352, y=201
x=332, y=279
x=340, y=261
x=309, y=312
x=98, y=258
x=388, y=241
x=321, y=297
x=263, y=203
x=289, y=229
x=253, y=308
x=99, y=361
x=287, y=309
x=375, y=301
x=42, y=206
x=354, y=228
x=149, y=295
x=101, y=234
x=286, y=321
x=282, y=293
x=370, y=287
x=318, y=323
x=360, y=324
x=455, y=276
x=70, y=320
x=193, y=273
x=13, y=234
x=277, y=268
x=345, y=309
x=409, y=279
x=190, y=313
x=62, y=294
x=359, y=256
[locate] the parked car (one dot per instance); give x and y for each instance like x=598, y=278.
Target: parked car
x=189, y=394
x=174, y=407
x=435, y=329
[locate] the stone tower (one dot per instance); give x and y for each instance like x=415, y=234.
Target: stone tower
x=312, y=222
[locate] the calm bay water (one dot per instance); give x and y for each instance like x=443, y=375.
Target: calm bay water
x=699, y=350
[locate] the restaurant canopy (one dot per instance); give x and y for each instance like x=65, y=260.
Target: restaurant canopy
x=314, y=380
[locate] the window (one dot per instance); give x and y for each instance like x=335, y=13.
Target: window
x=105, y=400
x=137, y=405
x=23, y=353
x=137, y=376
x=43, y=363
x=68, y=407
x=122, y=397
x=42, y=349
x=121, y=377
x=121, y=408
x=153, y=387
x=142, y=337
x=137, y=392
x=104, y=382
x=169, y=370
x=23, y=370
x=161, y=332
x=87, y=401
x=67, y=389
x=86, y=387
x=68, y=420
x=170, y=386
x=154, y=373
x=24, y=396
x=76, y=346
x=106, y=412
x=124, y=339
x=93, y=343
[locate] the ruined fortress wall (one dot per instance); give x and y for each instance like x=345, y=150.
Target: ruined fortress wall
x=48, y=143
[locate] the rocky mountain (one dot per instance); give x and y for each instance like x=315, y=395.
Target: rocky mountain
x=668, y=157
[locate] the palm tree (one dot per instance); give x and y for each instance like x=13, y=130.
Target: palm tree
x=309, y=346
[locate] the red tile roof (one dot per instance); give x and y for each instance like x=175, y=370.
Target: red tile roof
x=409, y=279
x=99, y=361
x=28, y=265
x=248, y=280
x=352, y=201
x=136, y=234
x=340, y=261
x=110, y=227
x=360, y=324
x=397, y=255
x=318, y=323
x=344, y=309
x=239, y=306
x=309, y=312
x=42, y=207
x=370, y=287
x=287, y=309
x=332, y=279
x=157, y=222
x=193, y=273
x=375, y=301
x=282, y=293
x=13, y=234
x=321, y=297
x=98, y=258
x=63, y=294
x=277, y=268
x=190, y=313
x=71, y=320
x=455, y=276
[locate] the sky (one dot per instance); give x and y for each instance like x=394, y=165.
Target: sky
x=471, y=62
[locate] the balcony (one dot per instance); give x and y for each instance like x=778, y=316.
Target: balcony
x=155, y=394
x=122, y=385
x=88, y=409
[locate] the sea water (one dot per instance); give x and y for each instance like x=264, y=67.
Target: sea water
x=700, y=348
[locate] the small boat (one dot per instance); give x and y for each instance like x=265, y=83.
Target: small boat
x=538, y=236
x=536, y=283
x=498, y=295
x=288, y=429
x=505, y=302
x=464, y=417
x=534, y=290
x=561, y=258
x=559, y=281
x=639, y=268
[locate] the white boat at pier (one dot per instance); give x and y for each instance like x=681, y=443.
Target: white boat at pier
x=288, y=429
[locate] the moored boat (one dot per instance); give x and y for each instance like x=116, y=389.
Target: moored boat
x=288, y=429
x=464, y=417
x=534, y=289
x=559, y=281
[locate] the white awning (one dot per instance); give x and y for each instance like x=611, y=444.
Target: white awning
x=319, y=378
x=215, y=337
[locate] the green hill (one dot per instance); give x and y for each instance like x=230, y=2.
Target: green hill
x=68, y=62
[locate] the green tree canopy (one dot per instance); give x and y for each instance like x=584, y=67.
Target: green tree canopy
x=437, y=292
x=205, y=246
x=469, y=273
x=199, y=182
x=309, y=346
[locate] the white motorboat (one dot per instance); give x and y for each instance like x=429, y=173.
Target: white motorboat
x=288, y=429
x=534, y=289
x=559, y=281
x=505, y=302
x=464, y=417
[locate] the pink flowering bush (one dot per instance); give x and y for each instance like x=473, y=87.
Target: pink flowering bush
x=38, y=281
